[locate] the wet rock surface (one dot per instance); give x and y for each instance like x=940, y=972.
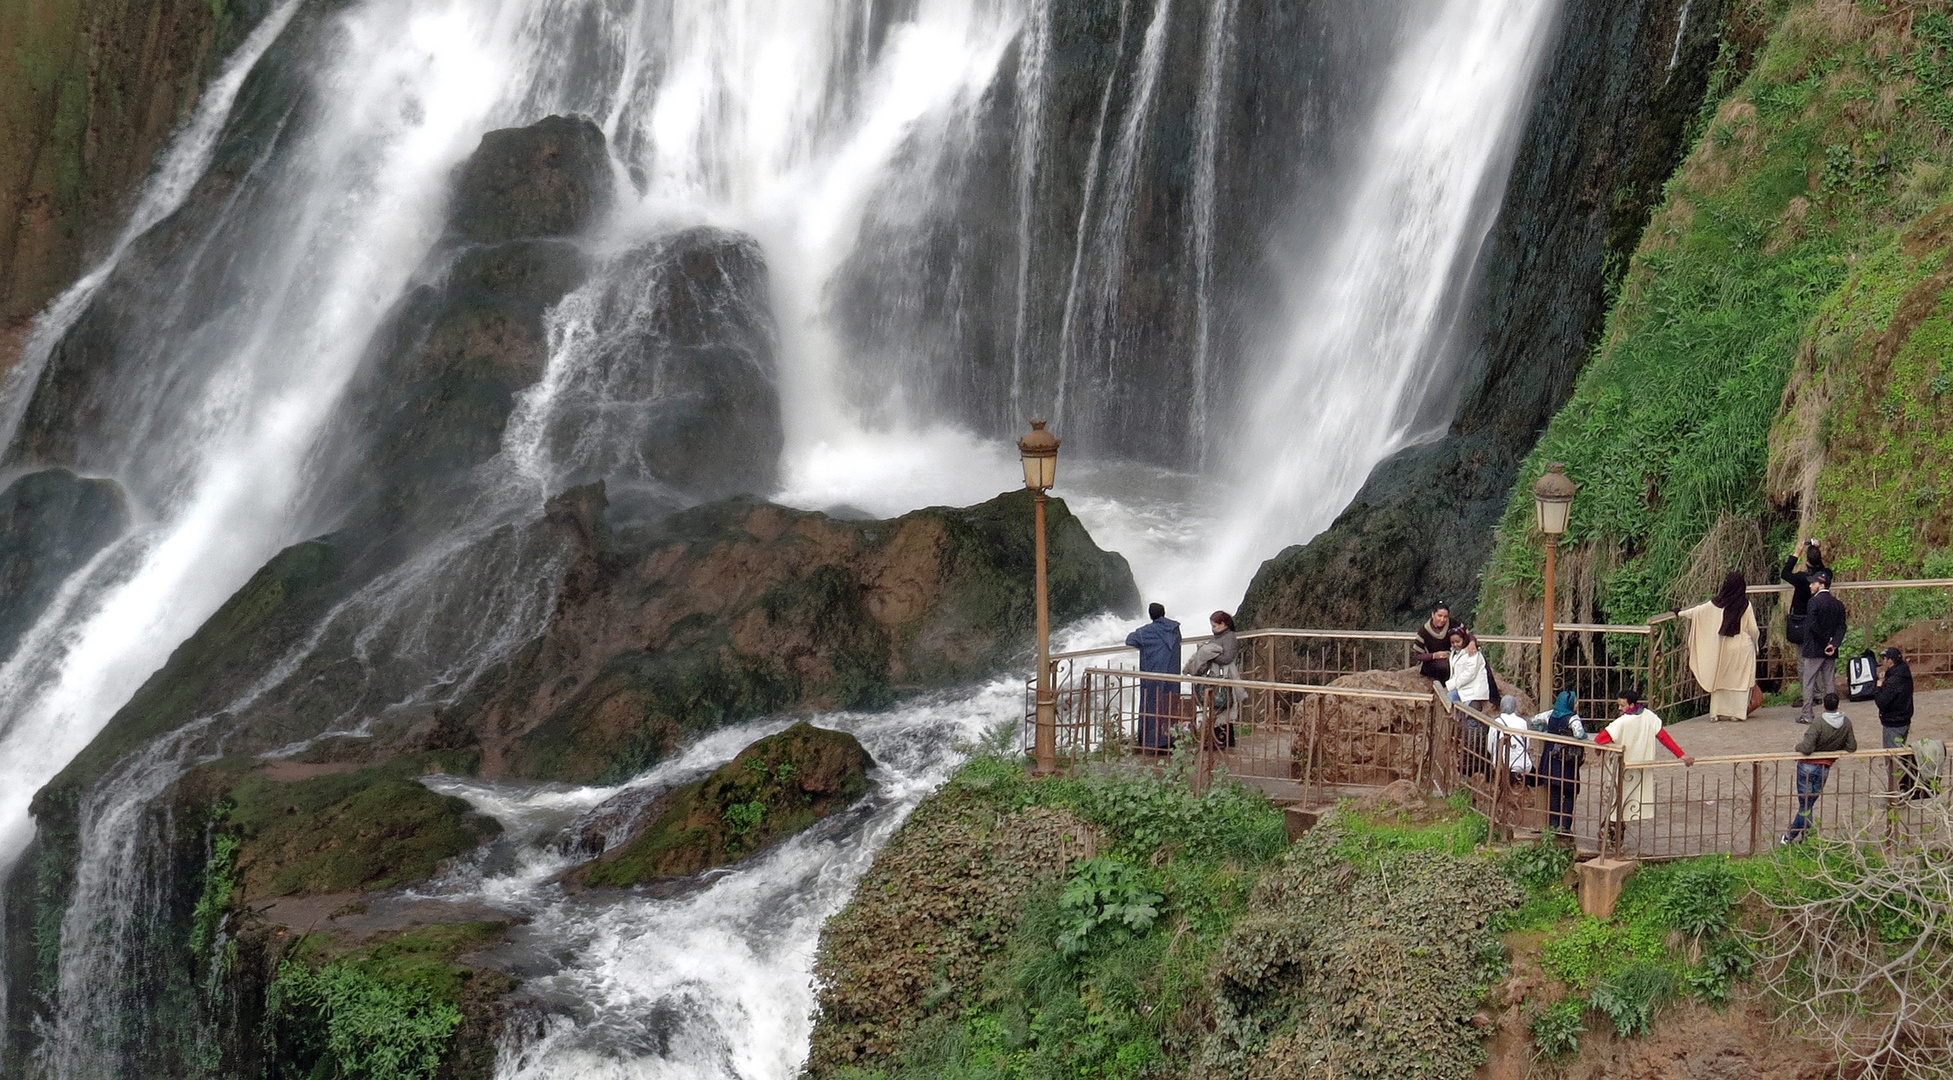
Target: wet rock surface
x=51, y=523
x=771, y=790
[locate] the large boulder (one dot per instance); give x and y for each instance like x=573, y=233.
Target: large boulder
x=735, y=609
x=773, y=789
x=51, y=523
x=547, y=179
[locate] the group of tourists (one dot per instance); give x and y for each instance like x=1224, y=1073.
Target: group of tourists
x=1723, y=642
x=1160, y=708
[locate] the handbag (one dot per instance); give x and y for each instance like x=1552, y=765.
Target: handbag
x=1756, y=698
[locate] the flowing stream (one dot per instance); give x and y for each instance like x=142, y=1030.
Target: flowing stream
x=821, y=128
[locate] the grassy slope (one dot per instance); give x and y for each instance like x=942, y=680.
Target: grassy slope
x=1782, y=229
x=953, y=959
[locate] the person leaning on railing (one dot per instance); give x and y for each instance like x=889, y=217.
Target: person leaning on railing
x=1637, y=729
x=1433, y=654
x=1832, y=734
x=1471, y=683
x=1218, y=658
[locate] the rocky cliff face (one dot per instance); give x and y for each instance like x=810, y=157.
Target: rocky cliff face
x=1608, y=126
x=90, y=90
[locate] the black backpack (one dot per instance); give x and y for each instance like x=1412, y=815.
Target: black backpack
x=1861, y=676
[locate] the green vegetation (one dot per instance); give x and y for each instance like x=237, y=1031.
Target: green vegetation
x=1782, y=255
x=387, y=1011
x=1150, y=931
x=373, y=828
x=771, y=790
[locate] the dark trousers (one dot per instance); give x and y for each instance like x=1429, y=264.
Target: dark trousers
x=1560, y=795
x=1810, y=784
x=1159, y=706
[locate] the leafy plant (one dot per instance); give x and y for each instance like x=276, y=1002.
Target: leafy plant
x=1556, y=1029
x=1538, y=865
x=1726, y=960
x=357, y=1026
x=742, y=818
x=1698, y=898
x=1105, y=894
x=220, y=880
x=1630, y=998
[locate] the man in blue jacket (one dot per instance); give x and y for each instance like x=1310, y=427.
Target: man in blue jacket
x=1817, y=658
x=1158, y=643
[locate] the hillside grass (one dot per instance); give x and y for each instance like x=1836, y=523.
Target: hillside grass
x=1803, y=179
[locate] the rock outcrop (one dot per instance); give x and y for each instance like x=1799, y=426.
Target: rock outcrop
x=89, y=92
x=51, y=523
x=773, y=789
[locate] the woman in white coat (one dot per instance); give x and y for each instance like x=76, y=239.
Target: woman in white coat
x=1722, y=648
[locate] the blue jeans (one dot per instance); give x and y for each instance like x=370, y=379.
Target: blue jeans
x=1810, y=784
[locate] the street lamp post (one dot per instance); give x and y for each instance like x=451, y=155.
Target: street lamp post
x=1039, y=451
x=1552, y=500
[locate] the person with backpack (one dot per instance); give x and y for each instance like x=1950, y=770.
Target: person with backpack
x=1800, y=589
x=1218, y=658
x=1559, y=763
x=1832, y=734
x=1817, y=657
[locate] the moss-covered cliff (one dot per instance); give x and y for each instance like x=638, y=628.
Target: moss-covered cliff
x=1772, y=363
x=90, y=90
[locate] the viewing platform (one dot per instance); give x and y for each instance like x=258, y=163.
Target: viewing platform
x=1332, y=714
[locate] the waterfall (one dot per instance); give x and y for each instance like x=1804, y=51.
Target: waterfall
x=1367, y=348
x=849, y=140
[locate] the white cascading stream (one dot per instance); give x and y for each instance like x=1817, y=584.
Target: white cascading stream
x=1367, y=342
x=771, y=117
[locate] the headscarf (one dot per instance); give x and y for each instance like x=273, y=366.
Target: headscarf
x=1734, y=600
x=1508, y=704
x=1560, y=722
x=1458, y=630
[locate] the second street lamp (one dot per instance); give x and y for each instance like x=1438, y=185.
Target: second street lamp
x=1552, y=504
x=1039, y=452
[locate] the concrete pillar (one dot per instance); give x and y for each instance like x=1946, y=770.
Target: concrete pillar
x=1301, y=819
x=1600, y=884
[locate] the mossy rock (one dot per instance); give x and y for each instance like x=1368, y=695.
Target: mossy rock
x=371, y=828
x=51, y=523
x=408, y=1003
x=773, y=789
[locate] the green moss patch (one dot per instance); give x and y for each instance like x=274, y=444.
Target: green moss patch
x=771, y=790
x=374, y=828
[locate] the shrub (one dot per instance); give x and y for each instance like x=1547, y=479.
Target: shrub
x=1556, y=1029
x=1630, y=998
x=1105, y=894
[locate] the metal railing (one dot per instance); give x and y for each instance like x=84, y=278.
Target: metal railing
x=1597, y=661
x=1314, y=744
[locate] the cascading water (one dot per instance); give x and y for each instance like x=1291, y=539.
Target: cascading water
x=849, y=142
x=1367, y=346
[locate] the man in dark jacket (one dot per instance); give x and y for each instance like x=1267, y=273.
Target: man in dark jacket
x=1817, y=658
x=1158, y=643
x=1800, y=590
x=1894, y=697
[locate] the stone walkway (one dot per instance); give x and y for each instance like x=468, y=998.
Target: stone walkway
x=1775, y=730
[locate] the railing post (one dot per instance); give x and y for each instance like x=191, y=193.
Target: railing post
x=1756, y=803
